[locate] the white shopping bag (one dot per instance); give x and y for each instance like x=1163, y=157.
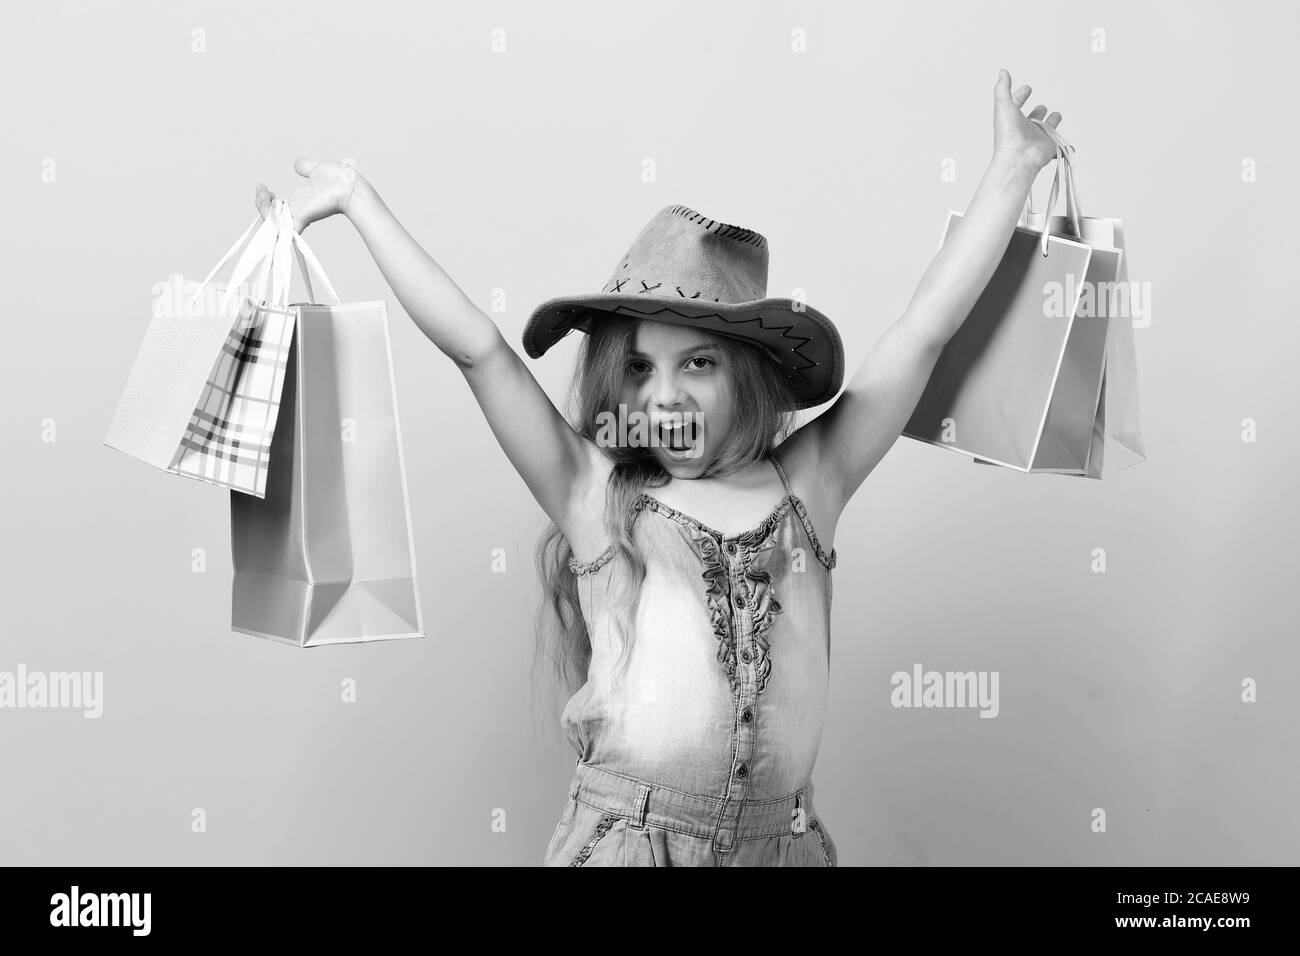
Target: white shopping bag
x=203, y=395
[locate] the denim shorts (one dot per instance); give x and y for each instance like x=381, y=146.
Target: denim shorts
x=614, y=820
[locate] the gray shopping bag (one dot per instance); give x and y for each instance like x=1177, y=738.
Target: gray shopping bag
x=1117, y=432
x=1023, y=382
x=991, y=388
x=327, y=556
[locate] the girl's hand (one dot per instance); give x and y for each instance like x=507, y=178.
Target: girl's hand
x=328, y=190
x=1015, y=137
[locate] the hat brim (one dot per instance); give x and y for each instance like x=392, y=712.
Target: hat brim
x=803, y=341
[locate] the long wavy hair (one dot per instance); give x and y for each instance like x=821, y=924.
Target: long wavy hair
x=763, y=414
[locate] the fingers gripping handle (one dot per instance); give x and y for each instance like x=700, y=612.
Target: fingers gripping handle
x=272, y=237
x=1063, y=148
x=1064, y=169
x=1071, y=197
x=290, y=238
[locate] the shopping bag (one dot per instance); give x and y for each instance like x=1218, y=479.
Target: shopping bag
x=327, y=555
x=203, y=394
x=1117, y=433
x=991, y=390
x=1115, y=440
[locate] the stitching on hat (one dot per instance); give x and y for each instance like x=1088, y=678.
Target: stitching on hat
x=803, y=340
x=738, y=233
x=649, y=288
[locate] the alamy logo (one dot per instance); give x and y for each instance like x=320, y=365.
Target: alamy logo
x=72, y=690
x=946, y=689
x=1121, y=299
x=102, y=909
x=175, y=299
x=678, y=432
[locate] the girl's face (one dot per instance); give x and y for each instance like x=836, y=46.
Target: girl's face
x=677, y=376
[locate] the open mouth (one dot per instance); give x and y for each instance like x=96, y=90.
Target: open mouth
x=679, y=438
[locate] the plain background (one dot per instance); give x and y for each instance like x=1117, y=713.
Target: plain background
x=522, y=172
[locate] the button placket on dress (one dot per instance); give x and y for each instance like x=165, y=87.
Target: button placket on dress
x=745, y=690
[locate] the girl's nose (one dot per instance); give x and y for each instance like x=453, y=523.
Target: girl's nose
x=666, y=392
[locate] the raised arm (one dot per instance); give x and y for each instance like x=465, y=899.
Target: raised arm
x=557, y=464
x=853, y=435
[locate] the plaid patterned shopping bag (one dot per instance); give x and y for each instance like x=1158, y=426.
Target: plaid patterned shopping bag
x=228, y=438
x=203, y=396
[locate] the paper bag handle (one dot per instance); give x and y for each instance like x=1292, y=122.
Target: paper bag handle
x=1062, y=147
x=278, y=269
x=282, y=269
x=1073, y=209
x=257, y=250
x=272, y=237
x=307, y=261
x=1064, y=168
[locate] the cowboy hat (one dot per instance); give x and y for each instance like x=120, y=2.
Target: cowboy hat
x=687, y=269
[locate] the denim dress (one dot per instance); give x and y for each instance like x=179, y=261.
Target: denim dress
x=702, y=754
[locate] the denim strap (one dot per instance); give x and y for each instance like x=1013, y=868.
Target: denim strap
x=639, y=808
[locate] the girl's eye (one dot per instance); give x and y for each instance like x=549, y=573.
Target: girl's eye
x=640, y=366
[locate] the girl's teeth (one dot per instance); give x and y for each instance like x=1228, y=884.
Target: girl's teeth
x=675, y=436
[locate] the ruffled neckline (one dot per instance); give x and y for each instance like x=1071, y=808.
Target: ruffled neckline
x=749, y=539
x=759, y=533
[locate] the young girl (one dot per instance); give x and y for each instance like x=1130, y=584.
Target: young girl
x=694, y=622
